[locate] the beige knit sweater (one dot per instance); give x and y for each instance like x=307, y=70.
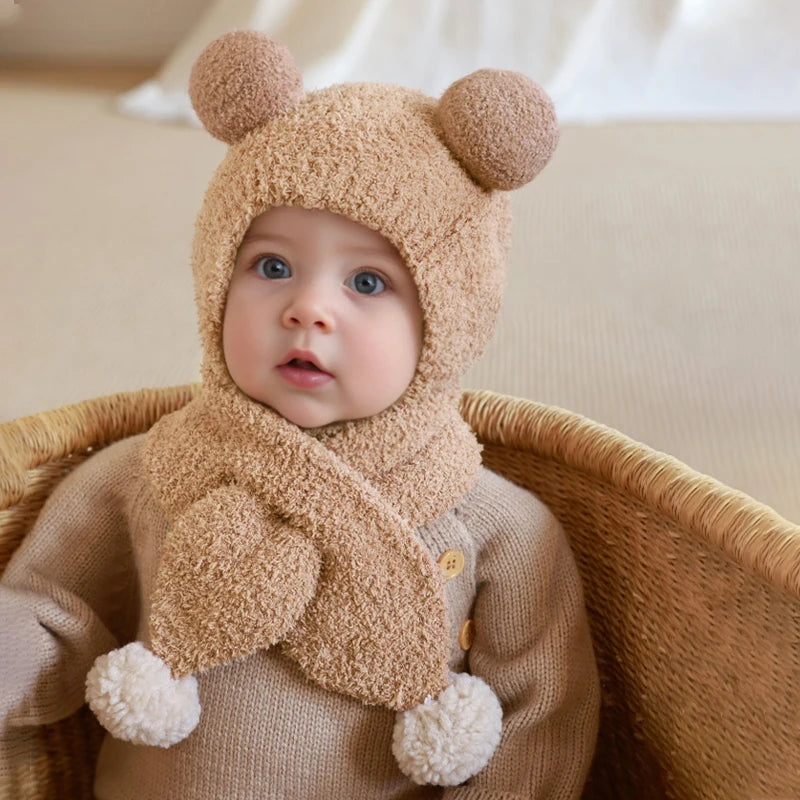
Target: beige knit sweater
x=81, y=583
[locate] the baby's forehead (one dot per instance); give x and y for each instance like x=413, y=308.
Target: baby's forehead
x=295, y=225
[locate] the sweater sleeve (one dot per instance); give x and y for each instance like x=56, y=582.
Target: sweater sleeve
x=532, y=646
x=67, y=595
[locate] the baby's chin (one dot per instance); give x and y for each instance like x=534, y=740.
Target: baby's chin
x=320, y=421
x=310, y=418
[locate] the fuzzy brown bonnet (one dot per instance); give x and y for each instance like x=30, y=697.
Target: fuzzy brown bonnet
x=326, y=522
x=424, y=173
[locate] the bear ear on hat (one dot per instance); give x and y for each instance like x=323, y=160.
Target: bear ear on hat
x=500, y=125
x=240, y=81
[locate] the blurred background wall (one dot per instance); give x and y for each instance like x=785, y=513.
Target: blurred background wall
x=598, y=59
x=653, y=282
x=84, y=31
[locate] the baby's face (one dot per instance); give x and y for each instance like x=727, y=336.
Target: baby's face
x=322, y=321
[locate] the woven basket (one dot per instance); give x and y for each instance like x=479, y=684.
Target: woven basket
x=693, y=592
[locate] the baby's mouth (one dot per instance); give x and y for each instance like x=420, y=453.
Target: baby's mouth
x=301, y=369
x=299, y=363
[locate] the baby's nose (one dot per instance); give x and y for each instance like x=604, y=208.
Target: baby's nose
x=309, y=307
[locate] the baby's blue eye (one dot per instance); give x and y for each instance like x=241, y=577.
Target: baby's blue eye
x=366, y=283
x=272, y=268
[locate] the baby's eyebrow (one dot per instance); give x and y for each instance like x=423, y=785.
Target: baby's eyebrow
x=271, y=236
x=371, y=250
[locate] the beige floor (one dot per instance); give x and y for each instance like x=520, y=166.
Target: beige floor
x=655, y=279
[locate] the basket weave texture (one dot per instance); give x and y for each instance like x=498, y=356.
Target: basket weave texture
x=693, y=593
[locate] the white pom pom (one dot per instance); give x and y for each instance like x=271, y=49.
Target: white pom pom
x=449, y=739
x=134, y=696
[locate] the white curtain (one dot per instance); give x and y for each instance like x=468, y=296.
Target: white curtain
x=599, y=59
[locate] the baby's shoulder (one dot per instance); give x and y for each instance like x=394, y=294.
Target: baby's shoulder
x=87, y=512
x=112, y=474
x=496, y=508
x=515, y=533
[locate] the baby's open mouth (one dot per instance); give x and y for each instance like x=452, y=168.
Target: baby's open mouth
x=303, y=372
x=299, y=363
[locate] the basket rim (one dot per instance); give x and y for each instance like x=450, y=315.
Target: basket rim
x=29, y=441
x=751, y=533
x=748, y=531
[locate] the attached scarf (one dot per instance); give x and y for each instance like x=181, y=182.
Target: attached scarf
x=307, y=539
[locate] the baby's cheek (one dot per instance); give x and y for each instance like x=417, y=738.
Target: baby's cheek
x=239, y=342
x=229, y=345
x=395, y=367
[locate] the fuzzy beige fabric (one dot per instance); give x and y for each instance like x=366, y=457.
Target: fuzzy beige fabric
x=327, y=517
x=303, y=549
x=234, y=84
x=501, y=125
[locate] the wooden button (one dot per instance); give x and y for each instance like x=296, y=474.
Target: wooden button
x=466, y=636
x=451, y=562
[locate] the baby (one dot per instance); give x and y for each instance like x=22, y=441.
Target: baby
x=303, y=584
